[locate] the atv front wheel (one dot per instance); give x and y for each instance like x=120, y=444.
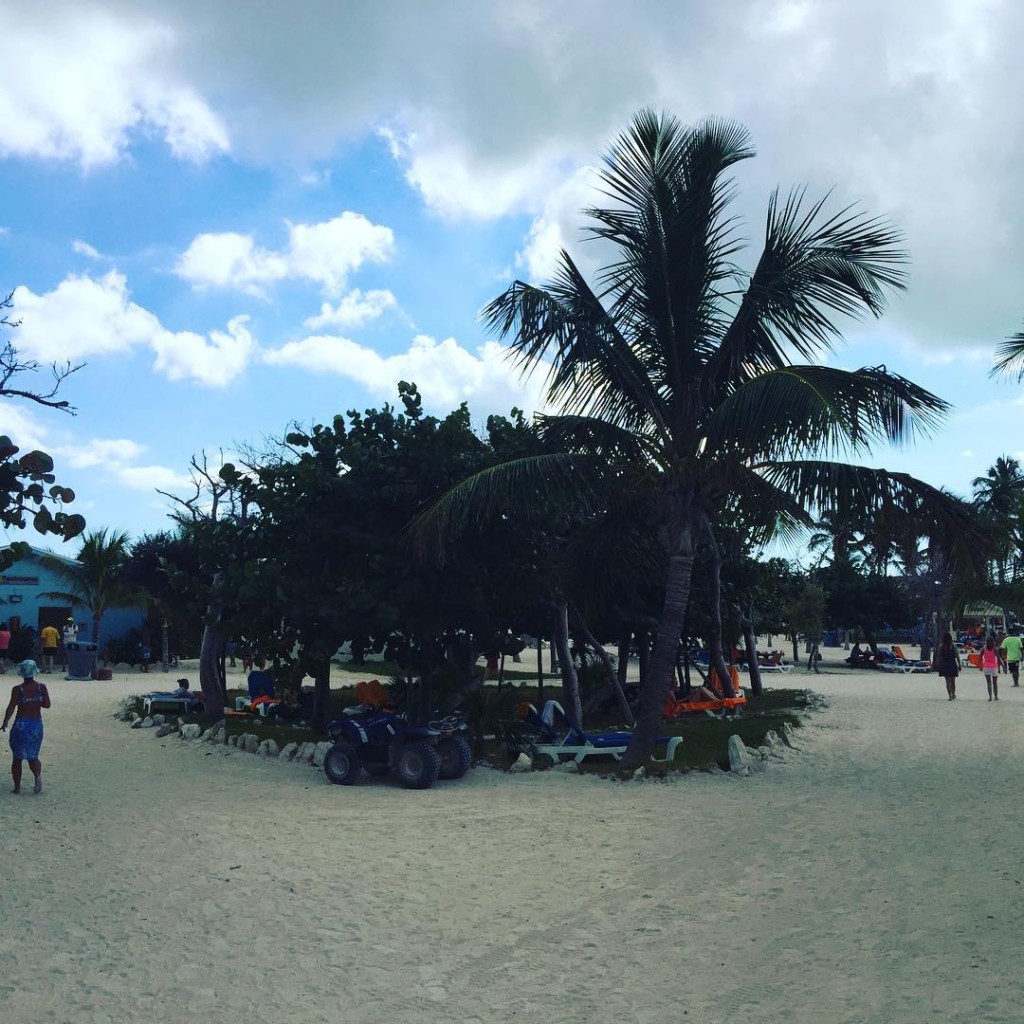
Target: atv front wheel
x=456, y=756
x=418, y=765
x=342, y=765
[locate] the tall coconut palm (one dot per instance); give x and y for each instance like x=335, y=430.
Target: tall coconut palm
x=688, y=366
x=96, y=578
x=999, y=495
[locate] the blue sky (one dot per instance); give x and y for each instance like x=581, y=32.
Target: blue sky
x=240, y=219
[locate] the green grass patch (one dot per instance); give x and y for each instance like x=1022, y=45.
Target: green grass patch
x=705, y=740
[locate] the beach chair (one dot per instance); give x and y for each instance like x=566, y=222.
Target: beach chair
x=888, y=662
x=720, y=707
x=168, y=702
x=916, y=665
x=553, y=736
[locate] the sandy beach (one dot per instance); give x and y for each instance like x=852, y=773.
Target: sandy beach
x=871, y=877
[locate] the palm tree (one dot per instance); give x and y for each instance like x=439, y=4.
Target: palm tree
x=686, y=365
x=999, y=495
x=96, y=578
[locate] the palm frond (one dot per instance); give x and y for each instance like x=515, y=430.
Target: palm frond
x=518, y=488
x=811, y=269
x=676, y=243
x=594, y=370
x=840, y=487
x=595, y=436
x=1010, y=358
x=767, y=512
x=806, y=409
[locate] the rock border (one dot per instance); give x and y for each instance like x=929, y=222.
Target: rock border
x=247, y=743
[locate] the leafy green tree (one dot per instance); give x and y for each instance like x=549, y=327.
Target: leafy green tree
x=28, y=486
x=96, y=578
x=688, y=367
x=327, y=558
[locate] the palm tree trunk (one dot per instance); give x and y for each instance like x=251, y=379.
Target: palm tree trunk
x=622, y=667
x=613, y=679
x=716, y=658
x=658, y=682
x=210, y=679
x=570, y=682
x=756, y=687
x=321, y=692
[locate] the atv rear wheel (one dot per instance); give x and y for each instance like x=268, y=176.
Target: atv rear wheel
x=342, y=765
x=456, y=756
x=418, y=765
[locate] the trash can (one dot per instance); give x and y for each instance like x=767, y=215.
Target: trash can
x=81, y=660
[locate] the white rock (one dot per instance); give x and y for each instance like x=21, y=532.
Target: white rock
x=249, y=742
x=191, y=731
x=569, y=767
x=739, y=756
x=320, y=752
x=288, y=751
x=305, y=752
x=159, y=719
x=147, y=723
x=268, y=748
x=640, y=773
x=215, y=734
x=786, y=734
x=521, y=764
x=165, y=730
x=136, y=723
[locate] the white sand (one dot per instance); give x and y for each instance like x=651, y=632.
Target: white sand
x=873, y=877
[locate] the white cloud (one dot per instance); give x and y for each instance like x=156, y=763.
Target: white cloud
x=445, y=372
x=81, y=317
x=101, y=453
x=85, y=317
x=325, y=253
x=22, y=427
x=229, y=259
x=489, y=109
x=148, y=478
x=214, y=361
x=558, y=226
x=116, y=458
x=79, y=80
x=85, y=249
x=354, y=310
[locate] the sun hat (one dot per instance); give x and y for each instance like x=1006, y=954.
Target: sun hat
x=27, y=669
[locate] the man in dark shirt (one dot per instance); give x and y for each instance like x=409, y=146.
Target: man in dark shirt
x=261, y=683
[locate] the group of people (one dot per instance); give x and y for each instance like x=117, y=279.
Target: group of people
x=994, y=654
x=17, y=645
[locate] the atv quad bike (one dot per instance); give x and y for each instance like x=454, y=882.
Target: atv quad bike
x=378, y=738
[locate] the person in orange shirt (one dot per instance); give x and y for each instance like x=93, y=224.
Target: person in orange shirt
x=50, y=639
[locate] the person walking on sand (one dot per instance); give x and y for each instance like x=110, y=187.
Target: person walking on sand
x=1011, y=647
x=990, y=667
x=5, y=646
x=26, y=735
x=947, y=664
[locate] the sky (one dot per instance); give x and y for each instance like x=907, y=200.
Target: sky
x=236, y=218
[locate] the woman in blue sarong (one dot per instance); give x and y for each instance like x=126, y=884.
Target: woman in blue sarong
x=26, y=736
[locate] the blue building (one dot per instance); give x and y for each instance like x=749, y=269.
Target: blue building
x=22, y=602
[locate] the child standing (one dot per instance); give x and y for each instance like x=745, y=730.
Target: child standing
x=990, y=666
